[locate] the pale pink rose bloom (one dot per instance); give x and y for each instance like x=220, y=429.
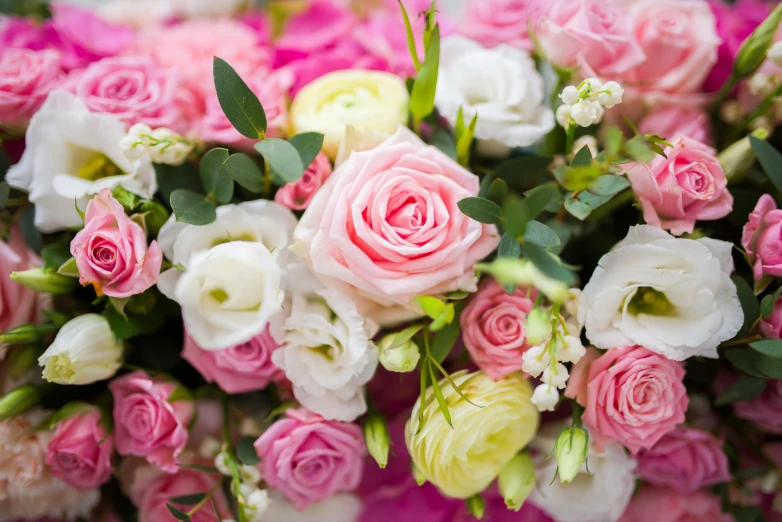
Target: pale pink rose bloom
x=771, y=327
x=386, y=228
x=309, y=459
x=132, y=88
x=79, y=453
x=26, y=78
x=493, y=328
x=146, y=424
x=765, y=410
x=687, y=186
x=111, y=250
x=18, y=304
x=297, y=195
x=495, y=22
x=238, y=369
x=632, y=395
x=762, y=238
x=653, y=504
x=685, y=460
x=672, y=121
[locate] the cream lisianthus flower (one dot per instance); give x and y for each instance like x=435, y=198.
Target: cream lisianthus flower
x=464, y=460
x=367, y=100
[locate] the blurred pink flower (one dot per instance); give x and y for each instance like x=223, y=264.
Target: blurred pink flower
x=652, y=504
x=672, y=121
x=26, y=78
x=495, y=22
x=80, y=451
x=762, y=238
x=297, y=196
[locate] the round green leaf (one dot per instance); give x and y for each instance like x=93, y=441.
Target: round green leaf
x=282, y=157
x=245, y=172
x=217, y=182
x=193, y=208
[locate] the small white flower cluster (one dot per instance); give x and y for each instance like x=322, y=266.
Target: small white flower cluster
x=162, y=145
x=585, y=105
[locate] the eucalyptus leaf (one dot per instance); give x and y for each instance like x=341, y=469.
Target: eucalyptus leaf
x=498, y=190
x=770, y=159
x=768, y=303
x=749, y=303
x=745, y=388
x=548, y=263
x=608, y=185
x=577, y=209
x=245, y=172
x=246, y=451
x=443, y=140
x=193, y=208
x=308, y=144
x=540, y=234
x=740, y=358
x=282, y=157
x=215, y=178
x=582, y=158
x=240, y=105
x=768, y=347
x=481, y=210
x=509, y=246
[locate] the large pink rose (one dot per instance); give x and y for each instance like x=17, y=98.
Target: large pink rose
x=133, y=89
x=26, y=78
x=18, y=304
x=321, y=25
x=672, y=121
x=495, y=22
x=630, y=395
x=765, y=410
x=308, y=458
x=685, y=460
x=686, y=186
x=146, y=424
x=762, y=238
x=297, y=196
x=652, y=504
x=493, y=328
x=239, y=369
x=386, y=228
x=79, y=453
x=111, y=250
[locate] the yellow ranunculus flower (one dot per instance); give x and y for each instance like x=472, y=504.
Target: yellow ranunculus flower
x=465, y=460
x=367, y=100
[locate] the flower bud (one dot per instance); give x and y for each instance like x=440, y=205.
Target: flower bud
x=753, y=51
x=572, y=450
x=400, y=359
x=132, y=147
x=43, y=280
x=569, y=349
x=23, y=359
x=476, y=505
x=610, y=94
x=537, y=326
x=556, y=375
x=18, y=400
x=545, y=397
x=569, y=95
x=84, y=351
x=775, y=55
x=25, y=333
x=535, y=360
x=521, y=272
x=517, y=480
x=377, y=439
x=563, y=115
x=585, y=113
x=738, y=158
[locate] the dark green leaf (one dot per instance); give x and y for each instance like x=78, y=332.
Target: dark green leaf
x=740, y=358
x=188, y=500
x=422, y=95
x=308, y=144
x=5, y=190
x=498, y=190
x=483, y=191
x=769, y=366
x=32, y=236
x=608, y=185
x=155, y=216
x=56, y=254
x=123, y=328
x=540, y=234
x=178, y=513
x=749, y=303
x=770, y=159
x=216, y=180
x=191, y=207
x=539, y=198
x=245, y=172
x=745, y=388
x=518, y=168
x=769, y=347
x=509, y=246
x=548, y=263
x=246, y=451
x=481, y=210
x=282, y=157
x=5, y=163
x=443, y=140
x=240, y=105
x=582, y=158
x=516, y=217
x=173, y=177
x=443, y=341
x=578, y=209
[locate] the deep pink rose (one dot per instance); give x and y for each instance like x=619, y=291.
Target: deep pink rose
x=687, y=186
x=762, y=238
x=79, y=453
x=771, y=327
x=653, y=504
x=632, y=395
x=18, y=304
x=296, y=196
x=26, y=78
x=133, y=89
x=386, y=227
x=495, y=22
x=146, y=424
x=111, y=250
x=308, y=458
x=239, y=369
x=685, y=460
x=493, y=328
x=672, y=121
x=321, y=25
x=765, y=410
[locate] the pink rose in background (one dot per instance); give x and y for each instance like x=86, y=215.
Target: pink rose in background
x=672, y=121
x=765, y=410
x=652, y=504
x=323, y=24
x=79, y=453
x=386, y=228
x=493, y=328
x=111, y=250
x=633, y=396
x=687, y=186
x=771, y=327
x=26, y=78
x=296, y=196
x=495, y=22
x=239, y=369
x=685, y=460
x=18, y=304
x=146, y=424
x=133, y=89
x=762, y=238
x=308, y=458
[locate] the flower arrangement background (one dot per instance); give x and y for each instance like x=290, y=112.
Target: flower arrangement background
x=358, y=261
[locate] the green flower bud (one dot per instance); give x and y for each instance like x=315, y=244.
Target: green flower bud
x=753, y=51
x=520, y=272
x=476, y=506
x=46, y=281
x=572, y=450
x=738, y=158
x=400, y=359
x=18, y=400
x=25, y=333
x=537, y=326
x=23, y=359
x=376, y=438
x=517, y=480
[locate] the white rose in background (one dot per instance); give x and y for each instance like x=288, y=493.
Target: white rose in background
x=342, y=507
x=501, y=85
x=673, y=296
x=70, y=154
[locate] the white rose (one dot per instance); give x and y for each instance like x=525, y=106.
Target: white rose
x=84, y=351
x=673, y=296
x=341, y=507
x=501, y=85
x=70, y=154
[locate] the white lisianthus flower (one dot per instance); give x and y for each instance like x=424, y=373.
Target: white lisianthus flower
x=71, y=154
x=341, y=507
x=673, y=296
x=84, y=351
x=501, y=85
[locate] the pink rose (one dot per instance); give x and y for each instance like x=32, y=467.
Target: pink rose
x=79, y=453
x=296, y=196
x=687, y=186
x=239, y=369
x=133, y=89
x=26, y=78
x=386, y=227
x=495, y=22
x=146, y=424
x=592, y=34
x=771, y=327
x=111, y=250
x=762, y=238
x=308, y=458
x=633, y=396
x=685, y=460
x=765, y=410
x=321, y=25
x=493, y=328
x=652, y=504
x=672, y=121
x=18, y=304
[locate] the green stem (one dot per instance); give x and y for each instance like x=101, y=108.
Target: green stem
x=726, y=89
x=763, y=108
x=208, y=497
x=570, y=137
x=236, y=479
x=741, y=341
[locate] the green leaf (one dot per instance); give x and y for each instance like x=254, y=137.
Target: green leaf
x=446, y=317
x=769, y=366
x=188, y=500
x=745, y=388
x=444, y=340
x=769, y=347
x=191, y=207
x=246, y=451
x=216, y=180
x=405, y=335
x=518, y=168
x=509, y=246
x=173, y=177
x=245, y=172
x=5, y=191
x=577, y=178
x=582, y=158
x=279, y=410
x=32, y=236
x=410, y=37
x=770, y=159
x=516, y=217
x=539, y=198
x=548, y=263
x=431, y=306
x=498, y=191
x=749, y=303
x=240, y=105
x=438, y=394
x=126, y=198
x=119, y=304
x=740, y=358
x=443, y=140
x=56, y=254
x=465, y=141
x=282, y=157
x=178, y=513
x=481, y=210
x=69, y=268
x=155, y=216
x=608, y=185
x=307, y=144
x=422, y=95
x=577, y=209
x=540, y=234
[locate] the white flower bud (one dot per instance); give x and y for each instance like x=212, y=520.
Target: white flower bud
x=569, y=95
x=256, y=501
x=132, y=147
x=250, y=427
x=731, y=112
x=139, y=129
x=537, y=326
x=545, y=397
x=586, y=113
x=400, y=359
x=563, y=115
x=569, y=349
x=610, y=94
x=760, y=84
x=250, y=474
x=209, y=447
x=594, y=85
x=221, y=465
x=775, y=55
x=535, y=360
x=600, y=112
x=555, y=375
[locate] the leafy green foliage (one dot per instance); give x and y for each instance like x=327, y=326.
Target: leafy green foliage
x=481, y=210
x=216, y=181
x=307, y=144
x=282, y=157
x=240, y=105
x=770, y=159
x=193, y=208
x=245, y=172
x=745, y=388
x=246, y=451
x=749, y=303
x=422, y=95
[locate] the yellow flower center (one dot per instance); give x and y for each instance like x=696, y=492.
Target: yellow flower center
x=99, y=167
x=649, y=301
x=58, y=367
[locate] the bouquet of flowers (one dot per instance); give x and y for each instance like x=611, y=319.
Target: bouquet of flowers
x=358, y=261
